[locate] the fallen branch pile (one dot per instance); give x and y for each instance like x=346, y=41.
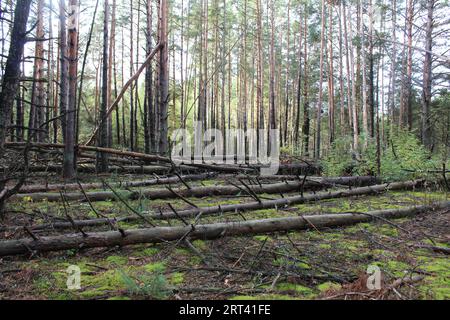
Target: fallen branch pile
x=336, y=181
x=204, y=232
x=125, y=184
x=198, y=192
x=232, y=208
x=293, y=168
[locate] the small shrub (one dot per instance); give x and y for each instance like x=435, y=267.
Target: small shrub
x=404, y=158
x=154, y=286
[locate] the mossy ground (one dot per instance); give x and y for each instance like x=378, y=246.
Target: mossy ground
x=295, y=265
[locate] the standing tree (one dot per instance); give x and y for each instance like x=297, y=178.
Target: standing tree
x=427, y=76
x=102, y=141
x=319, y=102
x=36, y=117
x=163, y=80
x=10, y=80
x=69, y=150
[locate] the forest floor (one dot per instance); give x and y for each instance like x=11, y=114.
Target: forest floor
x=325, y=264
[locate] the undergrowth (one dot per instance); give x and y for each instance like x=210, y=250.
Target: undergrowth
x=404, y=158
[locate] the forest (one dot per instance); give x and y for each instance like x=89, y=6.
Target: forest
x=224, y=150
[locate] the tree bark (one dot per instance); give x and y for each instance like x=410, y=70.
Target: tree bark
x=204, y=232
x=10, y=80
x=148, y=103
x=427, y=77
x=199, y=192
x=306, y=118
x=69, y=164
x=319, y=102
x=164, y=81
x=102, y=158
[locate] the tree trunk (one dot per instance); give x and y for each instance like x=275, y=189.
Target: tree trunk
x=164, y=81
x=64, y=68
x=306, y=119
x=148, y=103
x=408, y=98
x=393, y=66
x=319, y=102
x=427, y=77
x=10, y=81
x=111, y=63
x=331, y=106
x=102, y=158
x=204, y=232
x=272, y=113
x=38, y=104
x=69, y=150
x=199, y=192
x=371, y=85
x=365, y=88
x=260, y=72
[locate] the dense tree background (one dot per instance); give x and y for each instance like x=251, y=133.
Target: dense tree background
x=350, y=75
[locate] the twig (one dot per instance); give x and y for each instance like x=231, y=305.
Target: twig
x=128, y=206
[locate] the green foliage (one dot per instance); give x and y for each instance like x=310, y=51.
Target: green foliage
x=154, y=286
x=155, y=267
x=339, y=161
x=404, y=158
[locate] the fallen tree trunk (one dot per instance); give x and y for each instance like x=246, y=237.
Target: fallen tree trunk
x=293, y=168
x=198, y=192
x=234, y=208
x=126, y=184
x=339, y=181
x=204, y=232
x=122, y=153
x=86, y=168
x=356, y=181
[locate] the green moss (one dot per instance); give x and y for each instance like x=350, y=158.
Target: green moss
x=435, y=286
x=104, y=205
x=261, y=238
x=303, y=265
x=117, y=260
x=298, y=289
x=200, y=244
x=195, y=260
x=182, y=252
x=149, y=251
x=326, y=286
x=101, y=284
x=119, y=298
x=393, y=267
x=266, y=213
x=324, y=246
x=388, y=231
x=209, y=182
x=155, y=267
x=176, y=278
x=49, y=287
x=383, y=254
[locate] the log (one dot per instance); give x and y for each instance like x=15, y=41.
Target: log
x=203, y=232
x=356, y=181
x=122, y=153
x=125, y=184
x=340, y=181
x=232, y=208
x=198, y=192
x=293, y=168
x=86, y=168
